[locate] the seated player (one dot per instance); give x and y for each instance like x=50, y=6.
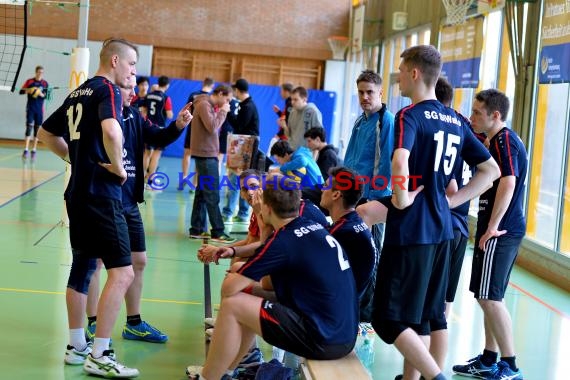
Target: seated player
x=316, y=312
x=340, y=196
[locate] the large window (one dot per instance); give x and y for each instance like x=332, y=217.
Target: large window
x=549, y=196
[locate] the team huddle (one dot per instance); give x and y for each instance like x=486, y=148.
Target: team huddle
x=391, y=256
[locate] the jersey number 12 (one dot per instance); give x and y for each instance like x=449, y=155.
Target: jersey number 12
x=74, y=114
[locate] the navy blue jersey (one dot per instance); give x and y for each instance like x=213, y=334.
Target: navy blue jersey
x=156, y=104
x=508, y=150
x=356, y=240
x=35, y=104
x=138, y=131
x=311, y=211
x=435, y=136
x=311, y=275
x=462, y=173
x=78, y=120
x=138, y=101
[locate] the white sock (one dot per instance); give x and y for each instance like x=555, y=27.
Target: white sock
x=100, y=345
x=77, y=339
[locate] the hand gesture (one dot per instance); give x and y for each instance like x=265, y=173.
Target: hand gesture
x=225, y=107
x=184, y=116
x=276, y=109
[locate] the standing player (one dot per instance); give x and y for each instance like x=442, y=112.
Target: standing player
x=157, y=106
x=500, y=228
x=36, y=89
x=142, y=85
x=411, y=281
x=316, y=312
x=137, y=131
x=90, y=119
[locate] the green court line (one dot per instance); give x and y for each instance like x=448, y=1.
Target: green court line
x=155, y=300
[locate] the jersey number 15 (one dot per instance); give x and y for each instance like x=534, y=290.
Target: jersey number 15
x=450, y=153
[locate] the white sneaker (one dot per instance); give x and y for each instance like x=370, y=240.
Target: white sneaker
x=76, y=357
x=107, y=366
x=194, y=372
x=211, y=322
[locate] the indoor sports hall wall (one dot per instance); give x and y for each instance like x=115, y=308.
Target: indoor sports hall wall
x=49, y=53
x=263, y=96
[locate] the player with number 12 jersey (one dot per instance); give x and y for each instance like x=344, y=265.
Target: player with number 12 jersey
x=433, y=165
x=78, y=120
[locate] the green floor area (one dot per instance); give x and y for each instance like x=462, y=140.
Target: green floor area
x=35, y=260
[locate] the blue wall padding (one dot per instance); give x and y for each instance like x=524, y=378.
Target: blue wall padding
x=263, y=96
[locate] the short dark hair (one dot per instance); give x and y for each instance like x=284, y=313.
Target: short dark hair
x=302, y=91
x=370, y=77
x=39, y=67
x=221, y=89
x=444, y=91
x=208, y=82
x=287, y=87
x=142, y=79
x=494, y=100
x=425, y=58
x=163, y=81
x=282, y=195
x=281, y=148
x=316, y=132
x=351, y=190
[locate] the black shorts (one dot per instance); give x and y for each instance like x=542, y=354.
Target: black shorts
x=187, y=137
x=136, y=228
x=411, y=283
x=284, y=328
x=492, y=268
x=455, y=263
x=97, y=228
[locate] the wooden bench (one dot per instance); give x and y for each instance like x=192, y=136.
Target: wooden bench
x=348, y=367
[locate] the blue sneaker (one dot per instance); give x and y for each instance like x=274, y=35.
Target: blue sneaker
x=504, y=372
x=475, y=368
x=144, y=331
x=90, y=333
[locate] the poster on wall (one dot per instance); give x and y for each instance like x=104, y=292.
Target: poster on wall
x=555, y=51
x=461, y=48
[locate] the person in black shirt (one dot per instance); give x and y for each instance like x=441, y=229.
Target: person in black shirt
x=87, y=132
x=137, y=132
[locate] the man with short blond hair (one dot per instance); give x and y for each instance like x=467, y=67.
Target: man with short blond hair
x=87, y=132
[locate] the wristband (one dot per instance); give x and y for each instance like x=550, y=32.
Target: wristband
x=233, y=251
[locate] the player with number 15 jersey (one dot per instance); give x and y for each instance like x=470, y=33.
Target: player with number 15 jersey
x=78, y=120
x=432, y=165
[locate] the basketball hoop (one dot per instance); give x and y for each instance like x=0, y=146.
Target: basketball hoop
x=338, y=45
x=456, y=10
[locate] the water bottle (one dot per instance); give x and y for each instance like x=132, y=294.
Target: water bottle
x=292, y=361
x=365, y=350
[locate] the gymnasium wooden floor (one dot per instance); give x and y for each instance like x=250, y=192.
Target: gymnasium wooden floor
x=35, y=260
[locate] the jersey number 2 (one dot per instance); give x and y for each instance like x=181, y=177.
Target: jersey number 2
x=344, y=264
x=74, y=114
x=450, y=151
